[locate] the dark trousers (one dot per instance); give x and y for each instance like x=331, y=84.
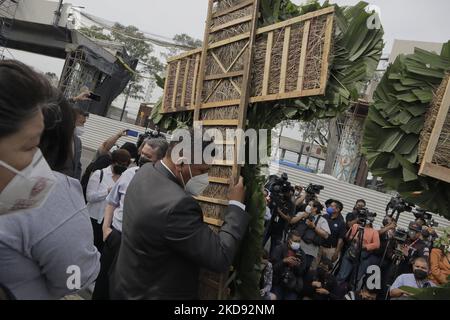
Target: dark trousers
x=308, y=261
x=98, y=235
x=110, y=251
x=283, y=293
x=275, y=241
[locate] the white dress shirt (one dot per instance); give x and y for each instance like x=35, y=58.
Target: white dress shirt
x=96, y=193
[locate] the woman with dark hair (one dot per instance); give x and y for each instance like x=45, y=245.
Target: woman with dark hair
x=46, y=243
x=56, y=140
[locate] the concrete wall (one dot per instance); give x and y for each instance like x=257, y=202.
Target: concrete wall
x=41, y=11
x=407, y=47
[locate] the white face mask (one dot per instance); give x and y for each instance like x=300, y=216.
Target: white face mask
x=30, y=188
x=308, y=209
x=295, y=246
x=196, y=185
x=79, y=131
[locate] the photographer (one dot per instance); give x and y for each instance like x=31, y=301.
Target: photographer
x=417, y=279
x=331, y=247
x=352, y=217
x=320, y=284
x=312, y=228
x=413, y=248
x=282, y=210
x=386, y=251
x=370, y=243
x=288, y=268
x=428, y=234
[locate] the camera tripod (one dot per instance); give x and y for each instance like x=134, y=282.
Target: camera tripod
x=359, y=236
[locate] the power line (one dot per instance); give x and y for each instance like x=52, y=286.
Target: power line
x=161, y=43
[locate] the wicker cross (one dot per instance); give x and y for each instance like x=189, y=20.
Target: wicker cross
x=240, y=64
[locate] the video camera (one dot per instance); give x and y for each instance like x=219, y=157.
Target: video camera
x=425, y=216
x=314, y=189
x=278, y=185
x=279, y=188
x=401, y=235
x=149, y=134
x=397, y=205
x=365, y=216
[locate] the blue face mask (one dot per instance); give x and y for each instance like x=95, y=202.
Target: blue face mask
x=330, y=211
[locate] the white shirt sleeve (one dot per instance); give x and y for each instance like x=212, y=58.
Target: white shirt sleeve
x=95, y=190
x=237, y=203
x=397, y=283
x=323, y=224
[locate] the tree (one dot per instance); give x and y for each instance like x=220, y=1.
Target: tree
x=183, y=39
x=95, y=32
x=137, y=46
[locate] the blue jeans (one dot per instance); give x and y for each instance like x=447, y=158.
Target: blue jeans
x=346, y=270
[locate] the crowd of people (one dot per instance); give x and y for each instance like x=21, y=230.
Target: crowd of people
x=130, y=228
x=315, y=253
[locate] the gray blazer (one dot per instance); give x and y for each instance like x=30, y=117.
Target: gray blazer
x=165, y=241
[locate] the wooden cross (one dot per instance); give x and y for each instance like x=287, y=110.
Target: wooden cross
x=239, y=64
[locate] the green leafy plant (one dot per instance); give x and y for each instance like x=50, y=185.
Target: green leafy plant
x=355, y=57
x=394, y=123
x=433, y=293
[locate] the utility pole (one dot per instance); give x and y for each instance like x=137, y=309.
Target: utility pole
x=126, y=101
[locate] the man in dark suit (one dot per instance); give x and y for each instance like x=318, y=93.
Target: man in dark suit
x=164, y=239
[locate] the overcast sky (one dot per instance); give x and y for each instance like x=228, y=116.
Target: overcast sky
x=402, y=19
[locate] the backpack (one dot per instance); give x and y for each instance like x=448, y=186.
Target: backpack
x=307, y=234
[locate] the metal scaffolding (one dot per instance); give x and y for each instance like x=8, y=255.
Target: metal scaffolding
x=77, y=73
x=8, y=10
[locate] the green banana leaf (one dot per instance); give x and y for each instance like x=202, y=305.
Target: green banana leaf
x=397, y=114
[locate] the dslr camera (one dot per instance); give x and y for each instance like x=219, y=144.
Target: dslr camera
x=314, y=189
x=365, y=216
x=149, y=134
x=279, y=188
x=401, y=235
x=398, y=205
x=426, y=216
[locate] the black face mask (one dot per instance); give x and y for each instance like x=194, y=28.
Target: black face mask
x=143, y=160
x=119, y=169
x=420, y=274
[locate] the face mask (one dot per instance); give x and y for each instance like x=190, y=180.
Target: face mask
x=295, y=246
x=412, y=234
x=308, y=209
x=420, y=274
x=119, y=169
x=79, y=131
x=196, y=185
x=143, y=160
x=30, y=188
x=330, y=211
